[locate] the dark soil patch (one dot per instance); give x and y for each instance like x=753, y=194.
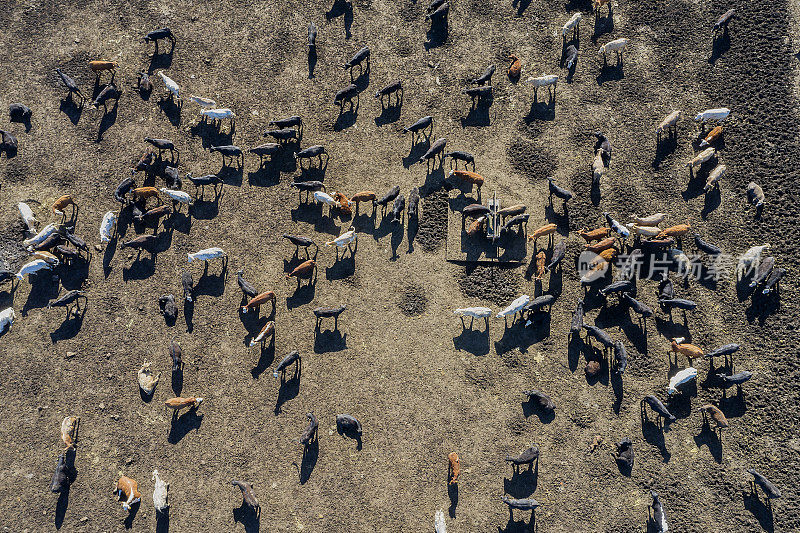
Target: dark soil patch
x=12, y=252
x=531, y=161
x=433, y=223
x=498, y=285
x=413, y=301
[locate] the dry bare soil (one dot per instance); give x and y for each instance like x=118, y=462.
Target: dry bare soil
x=399, y=361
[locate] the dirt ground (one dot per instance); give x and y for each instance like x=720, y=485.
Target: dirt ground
x=400, y=361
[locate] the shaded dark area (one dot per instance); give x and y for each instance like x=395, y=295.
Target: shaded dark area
x=761, y=511
x=310, y=456
x=474, y=341
x=452, y=493
x=288, y=391
x=351, y=434
x=523, y=483
x=266, y=352
x=344, y=9
x=183, y=424
x=162, y=522
x=329, y=340
x=131, y=515
x=245, y=515
x=437, y=34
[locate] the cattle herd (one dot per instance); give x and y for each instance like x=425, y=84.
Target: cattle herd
x=617, y=261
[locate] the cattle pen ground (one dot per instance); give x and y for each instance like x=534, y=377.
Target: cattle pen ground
x=399, y=361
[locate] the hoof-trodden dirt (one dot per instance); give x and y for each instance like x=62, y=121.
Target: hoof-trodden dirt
x=400, y=362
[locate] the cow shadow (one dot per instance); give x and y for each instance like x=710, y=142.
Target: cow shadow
x=518, y=335
x=452, y=494
x=70, y=326
x=417, y=150
x=437, y=34
x=342, y=268
x=521, y=6
x=346, y=119
x=351, y=434
x=231, y=175
x=344, y=9
x=61, y=508
x=303, y=294
x=312, y=213
x=519, y=526
x=522, y=483
x=267, y=175
x=288, y=391
x=309, y=461
x=478, y=115
x=128, y=523
x=211, y=284
x=211, y=134
x=108, y=119
x=202, y=209
x=664, y=147
x=161, y=60
x=720, y=46
x=266, y=355
x=711, y=202
x=176, y=381
x=247, y=517
x=183, y=424
x=709, y=437
x=162, y=521
x=474, y=341
x=312, y=61
x=74, y=276
x=574, y=348
x=71, y=109
x=602, y=25
x=188, y=315
x=43, y=289
x=762, y=513
x=171, y=110
x=396, y=239
x=531, y=407
x=610, y=73
x=329, y=340
x=654, y=435
x=108, y=255
x=542, y=110
x=389, y=114
x=762, y=306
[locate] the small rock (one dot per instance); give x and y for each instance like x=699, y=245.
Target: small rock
x=84, y=519
x=129, y=460
x=114, y=417
x=102, y=406
x=69, y=354
x=110, y=376
x=130, y=256
x=194, y=18
x=98, y=247
x=77, y=41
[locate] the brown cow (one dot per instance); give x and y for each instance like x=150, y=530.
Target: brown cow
x=454, y=468
x=258, y=301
